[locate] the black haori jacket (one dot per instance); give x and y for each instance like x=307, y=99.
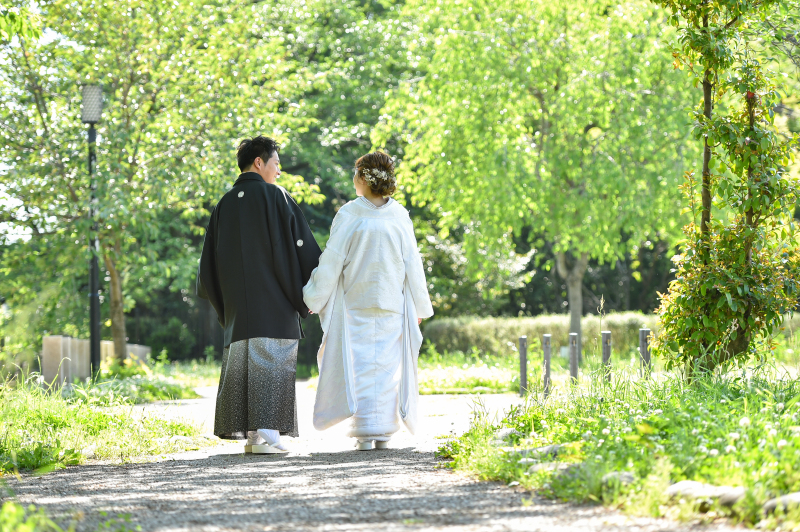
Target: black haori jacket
x=257, y=256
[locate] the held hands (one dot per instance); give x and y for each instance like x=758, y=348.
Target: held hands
x=419, y=321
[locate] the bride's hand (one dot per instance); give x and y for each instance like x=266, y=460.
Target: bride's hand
x=419, y=321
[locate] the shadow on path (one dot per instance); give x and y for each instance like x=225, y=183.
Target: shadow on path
x=398, y=489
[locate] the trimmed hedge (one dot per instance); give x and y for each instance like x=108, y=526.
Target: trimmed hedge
x=496, y=336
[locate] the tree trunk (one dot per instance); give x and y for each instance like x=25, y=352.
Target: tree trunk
x=625, y=276
x=574, y=278
x=705, y=217
x=749, y=219
x=117, y=310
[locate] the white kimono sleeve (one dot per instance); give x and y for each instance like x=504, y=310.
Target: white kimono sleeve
x=322, y=284
x=324, y=294
x=415, y=275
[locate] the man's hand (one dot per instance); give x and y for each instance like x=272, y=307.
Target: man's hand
x=310, y=311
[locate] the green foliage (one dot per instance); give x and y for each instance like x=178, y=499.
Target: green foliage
x=565, y=122
x=306, y=371
x=734, y=432
x=499, y=336
x=121, y=523
x=180, y=88
x=16, y=21
x=781, y=31
x=210, y=354
x=738, y=273
x=43, y=431
x=134, y=383
x=722, y=298
x=172, y=335
x=38, y=305
x=354, y=52
x=16, y=518
x=451, y=289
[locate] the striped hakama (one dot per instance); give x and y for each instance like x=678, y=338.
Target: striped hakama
x=257, y=388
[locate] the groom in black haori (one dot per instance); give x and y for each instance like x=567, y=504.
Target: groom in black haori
x=257, y=256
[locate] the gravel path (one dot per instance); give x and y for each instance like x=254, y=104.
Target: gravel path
x=322, y=485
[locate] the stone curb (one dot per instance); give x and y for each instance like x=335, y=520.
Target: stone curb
x=785, y=502
x=691, y=489
x=548, y=451
x=617, y=478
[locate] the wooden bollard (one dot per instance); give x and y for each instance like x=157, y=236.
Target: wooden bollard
x=573, y=357
x=644, y=350
x=523, y=365
x=547, y=353
x=605, y=339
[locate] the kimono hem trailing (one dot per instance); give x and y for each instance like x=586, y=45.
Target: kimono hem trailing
x=369, y=290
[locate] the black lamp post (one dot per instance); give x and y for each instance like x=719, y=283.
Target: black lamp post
x=91, y=112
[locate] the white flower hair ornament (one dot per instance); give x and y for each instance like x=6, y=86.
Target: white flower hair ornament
x=373, y=175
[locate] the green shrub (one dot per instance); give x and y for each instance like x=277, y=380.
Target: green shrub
x=497, y=336
x=306, y=371
x=730, y=431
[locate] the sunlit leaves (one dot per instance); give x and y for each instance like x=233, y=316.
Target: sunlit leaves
x=20, y=22
x=182, y=83
x=738, y=275
x=561, y=118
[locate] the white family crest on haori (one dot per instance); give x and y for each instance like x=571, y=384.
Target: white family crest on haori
x=368, y=290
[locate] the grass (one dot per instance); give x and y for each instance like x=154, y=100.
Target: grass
x=158, y=380
x=476, y=372
x=135, y=389
x=44, y=431
x=16, y=518
x=456, y=372
x=736, y=430
x=464, y=373
x=190, y=373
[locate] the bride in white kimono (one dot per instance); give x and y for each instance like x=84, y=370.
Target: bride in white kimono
x=371, y=294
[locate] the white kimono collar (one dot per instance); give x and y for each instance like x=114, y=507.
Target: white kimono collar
x=371, y=205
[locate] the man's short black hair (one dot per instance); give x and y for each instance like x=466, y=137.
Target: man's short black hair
x=258, y=146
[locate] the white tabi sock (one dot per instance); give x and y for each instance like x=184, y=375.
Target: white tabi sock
x=271, y=436
x=253, y=438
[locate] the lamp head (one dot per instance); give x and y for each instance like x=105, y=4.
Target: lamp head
x=92, y=108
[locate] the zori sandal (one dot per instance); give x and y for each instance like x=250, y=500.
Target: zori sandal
x=364, y=445
x=266, y=449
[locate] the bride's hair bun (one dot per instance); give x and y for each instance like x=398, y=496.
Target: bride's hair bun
x=377, y=169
